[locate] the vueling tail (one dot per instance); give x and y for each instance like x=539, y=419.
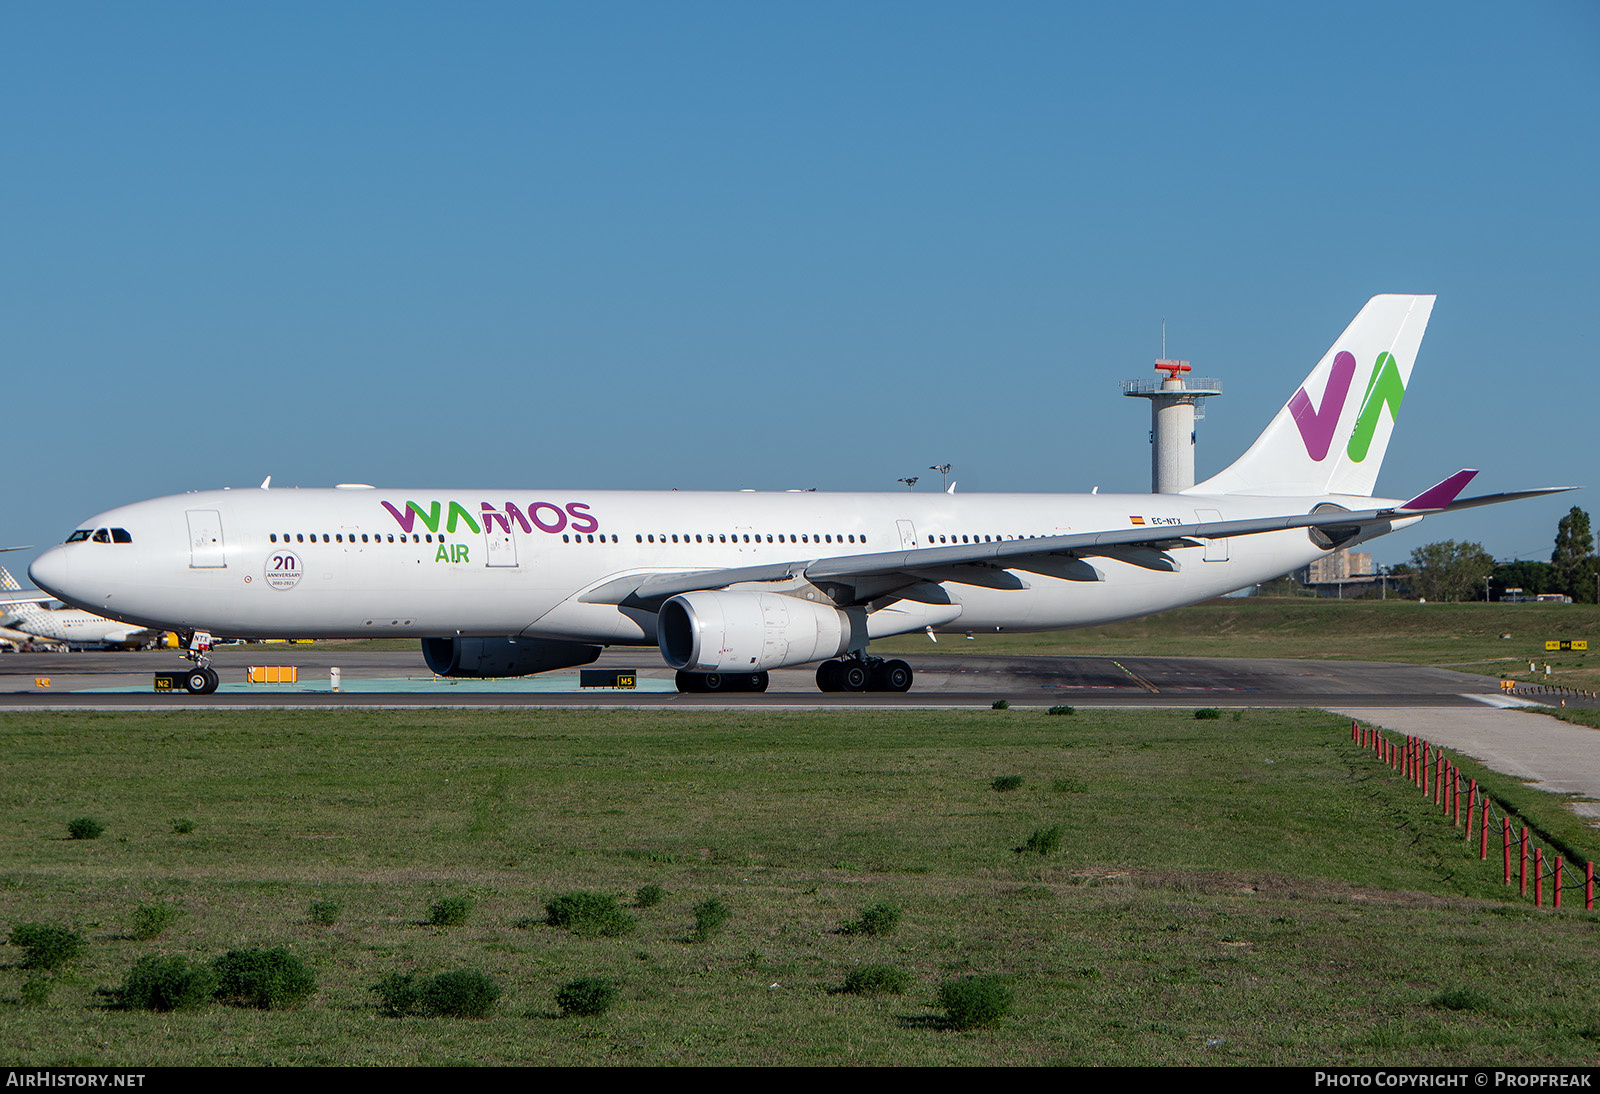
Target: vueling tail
x=1331, y=435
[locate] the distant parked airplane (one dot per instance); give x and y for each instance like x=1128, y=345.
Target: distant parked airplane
x=24, y=618
x=729, y=585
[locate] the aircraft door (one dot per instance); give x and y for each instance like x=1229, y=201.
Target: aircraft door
x=500, y=549
x=1216, y=549
x=205, y=540
x=908, y=534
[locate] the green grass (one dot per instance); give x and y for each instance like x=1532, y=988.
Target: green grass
x=1251, y=892
x=1466, y=636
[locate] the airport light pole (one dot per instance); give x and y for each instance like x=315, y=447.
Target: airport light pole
x=944, y=474
x=911, y=483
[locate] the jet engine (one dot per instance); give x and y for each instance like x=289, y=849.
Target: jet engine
x=510, y=656
x=752, y=632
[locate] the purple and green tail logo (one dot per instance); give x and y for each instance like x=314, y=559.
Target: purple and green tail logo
x=1318, y=424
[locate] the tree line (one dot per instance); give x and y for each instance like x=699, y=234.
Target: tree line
x=1465, y=571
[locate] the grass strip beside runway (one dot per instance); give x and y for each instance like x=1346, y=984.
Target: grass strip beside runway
x=1249, y=890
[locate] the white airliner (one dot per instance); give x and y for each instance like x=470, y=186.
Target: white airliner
x=25, y=617
x=502, y=582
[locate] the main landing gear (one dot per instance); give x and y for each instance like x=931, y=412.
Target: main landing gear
x=843, y=674
x=722, y=681
x=202, y=679
x=864, y=674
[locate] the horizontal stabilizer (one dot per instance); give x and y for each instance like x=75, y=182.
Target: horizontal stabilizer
x=1496, y=499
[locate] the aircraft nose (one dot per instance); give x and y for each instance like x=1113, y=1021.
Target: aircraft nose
x=51, y=570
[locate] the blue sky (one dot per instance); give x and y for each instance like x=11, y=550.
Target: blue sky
x=714, y=246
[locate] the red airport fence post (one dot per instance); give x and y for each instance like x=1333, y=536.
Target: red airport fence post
x=1505, y=824
x=1522, y=877
x=1483, y=839
x=1438, y=780
x=1558, y=880
x=1538, y=877
x=1455, y=795
x=1472, y=805
x=1355, y=730
x=1588, y=886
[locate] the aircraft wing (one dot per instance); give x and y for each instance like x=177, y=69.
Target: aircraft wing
x=985, y=563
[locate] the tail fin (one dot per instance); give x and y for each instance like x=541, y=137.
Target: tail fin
x=7, y=582
x=1323, y=441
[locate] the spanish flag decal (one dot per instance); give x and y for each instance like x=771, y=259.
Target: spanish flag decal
x=1137, y=520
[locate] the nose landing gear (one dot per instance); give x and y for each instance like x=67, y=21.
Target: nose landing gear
x=202, y=679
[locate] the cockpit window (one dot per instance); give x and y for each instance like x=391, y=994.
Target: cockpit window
x=120, y=535
x=79, y=536
x=102, y=535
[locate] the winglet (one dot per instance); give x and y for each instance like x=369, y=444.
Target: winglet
x=1440, y=496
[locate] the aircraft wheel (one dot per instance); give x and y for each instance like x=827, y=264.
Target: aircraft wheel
x=689, y=681
x=854, y=676
x=757, y=681
x=828, y=676
x=201, y=681
x=713, y=681
x=892, y=676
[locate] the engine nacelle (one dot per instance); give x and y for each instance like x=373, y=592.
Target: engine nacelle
x=510, y=656
x=751, y=632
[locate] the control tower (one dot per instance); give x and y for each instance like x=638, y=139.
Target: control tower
x=1174, y=408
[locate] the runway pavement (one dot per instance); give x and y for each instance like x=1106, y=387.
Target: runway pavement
x=1458, y=710
x=371, y=677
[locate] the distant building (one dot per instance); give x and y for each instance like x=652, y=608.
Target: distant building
x=1339, y=566
x=1339, y=573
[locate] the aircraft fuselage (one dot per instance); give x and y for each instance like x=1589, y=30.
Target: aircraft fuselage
x=361, y=562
